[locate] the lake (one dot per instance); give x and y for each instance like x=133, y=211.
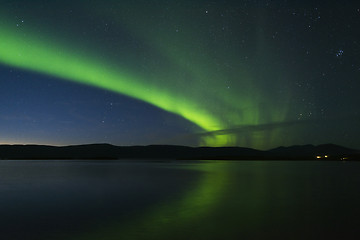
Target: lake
x=179, y=200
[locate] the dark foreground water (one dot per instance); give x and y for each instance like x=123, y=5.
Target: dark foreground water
x=179, y=200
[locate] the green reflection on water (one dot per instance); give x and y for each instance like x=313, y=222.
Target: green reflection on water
x=230, y=200
x=248, y=200
x=177, y=218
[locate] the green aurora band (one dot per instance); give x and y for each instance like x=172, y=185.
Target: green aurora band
x=186, y=64
x=32, y=54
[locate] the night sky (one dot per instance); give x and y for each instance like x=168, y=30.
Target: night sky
x=201, y=73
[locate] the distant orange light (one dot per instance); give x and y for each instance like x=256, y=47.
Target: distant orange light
x=318, y=157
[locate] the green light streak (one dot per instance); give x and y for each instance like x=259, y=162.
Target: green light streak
x=183, y=71
x=27, y=52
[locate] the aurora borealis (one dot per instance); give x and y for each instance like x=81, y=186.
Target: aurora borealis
x=215, y=73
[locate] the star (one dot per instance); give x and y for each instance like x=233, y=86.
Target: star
x=339, y=53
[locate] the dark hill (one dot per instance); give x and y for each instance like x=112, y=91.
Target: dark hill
x=107, y=151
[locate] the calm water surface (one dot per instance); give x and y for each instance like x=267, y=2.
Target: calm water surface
x=179, y=200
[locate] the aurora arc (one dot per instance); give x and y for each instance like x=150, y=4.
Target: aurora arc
x=29, y=53
x=183, y=73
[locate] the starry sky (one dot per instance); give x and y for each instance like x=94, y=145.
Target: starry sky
x=246, y=73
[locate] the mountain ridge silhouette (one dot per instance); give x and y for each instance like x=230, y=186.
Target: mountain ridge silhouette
x=108, y=151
